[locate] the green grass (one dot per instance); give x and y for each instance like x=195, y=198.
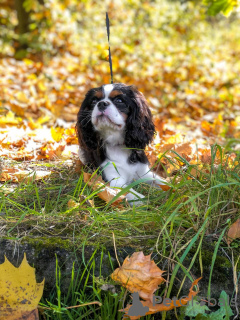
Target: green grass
x=84, y=288
x=172, y=224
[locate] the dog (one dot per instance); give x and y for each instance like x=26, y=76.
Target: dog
x=114, y=125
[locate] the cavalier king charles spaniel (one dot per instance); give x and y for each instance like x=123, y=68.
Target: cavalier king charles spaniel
x=114, y=125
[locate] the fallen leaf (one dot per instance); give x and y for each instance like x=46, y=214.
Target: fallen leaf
x=139, y=274
x=164, y=187
x=17, y=175
x=234, y=231
x=9, y=119
x=78, y=166
x=72, y=204
x=19, y=292
x=21, y=97
x=107, y=193
x=4, y=176
x=51, y=151
x=57, y=133
x=166, y=306
x=86, y=202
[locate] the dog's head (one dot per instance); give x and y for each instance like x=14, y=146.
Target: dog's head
x=115, y=114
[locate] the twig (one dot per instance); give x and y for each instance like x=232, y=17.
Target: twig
x=80, y=305
x=115, y=249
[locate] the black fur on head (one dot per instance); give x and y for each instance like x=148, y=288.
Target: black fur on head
x=87, y=136
x=139, y=131
x=88, y=139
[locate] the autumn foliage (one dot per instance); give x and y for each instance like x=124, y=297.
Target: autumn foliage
x=188, y=80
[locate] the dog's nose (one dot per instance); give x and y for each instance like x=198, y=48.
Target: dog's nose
x=102, y=105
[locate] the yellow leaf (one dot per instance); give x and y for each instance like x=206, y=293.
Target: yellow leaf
x=57, y=133
x=41, y=86
x=44, y=119
x=19, y=292
x=32, y=76
x=21, y=97
x=28, y=62
x=10, y=119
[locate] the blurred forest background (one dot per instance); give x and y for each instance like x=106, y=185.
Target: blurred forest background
x=185, y=61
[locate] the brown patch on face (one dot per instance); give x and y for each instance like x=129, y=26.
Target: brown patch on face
x=99, y=94
x=124, y=115
x=115, y=93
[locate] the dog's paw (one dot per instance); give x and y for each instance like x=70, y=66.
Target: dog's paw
x=134, y=199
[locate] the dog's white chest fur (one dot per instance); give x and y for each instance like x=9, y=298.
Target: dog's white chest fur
x=119, y=172
x=117, y=165
x=118, y=154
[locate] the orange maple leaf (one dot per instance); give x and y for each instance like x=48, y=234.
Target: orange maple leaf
x=139, y=274
x=165, y=306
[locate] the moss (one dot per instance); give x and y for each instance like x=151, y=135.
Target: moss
x=48, y=243
x=220, y=261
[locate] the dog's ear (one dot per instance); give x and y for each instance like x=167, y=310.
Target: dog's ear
x=87, y=136
x=140, y=128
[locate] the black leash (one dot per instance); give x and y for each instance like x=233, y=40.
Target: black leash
x=109, y=50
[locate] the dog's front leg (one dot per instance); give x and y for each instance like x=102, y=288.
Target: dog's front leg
x=154, y=179
x=117, y=180
x=132, y=196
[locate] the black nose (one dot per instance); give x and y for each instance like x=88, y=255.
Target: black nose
x=102, y=105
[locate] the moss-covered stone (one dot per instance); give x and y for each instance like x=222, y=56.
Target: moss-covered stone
x=48, y=243
x=42, y=253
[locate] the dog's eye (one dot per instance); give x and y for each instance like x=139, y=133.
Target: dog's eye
x=118, y=100
x=94, y=101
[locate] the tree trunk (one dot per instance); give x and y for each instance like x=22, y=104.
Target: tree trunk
x=23, y=17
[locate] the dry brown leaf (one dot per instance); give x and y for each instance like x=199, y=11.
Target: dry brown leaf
x=234, y=231
x=71, y=136
x=107, y=193
x=78, y=166
x=184, y=150
x=151, y=309
x=22, y=156
x=159, y=125
x=87, y=202
x=4, y=176
x=32, y=175
x=72, y=204
x=17, y=175
x=139, y=274
x=51, y=151
x=8, y=174
x=164, y=187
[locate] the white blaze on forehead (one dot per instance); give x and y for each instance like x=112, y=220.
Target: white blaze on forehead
x=108, y=88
